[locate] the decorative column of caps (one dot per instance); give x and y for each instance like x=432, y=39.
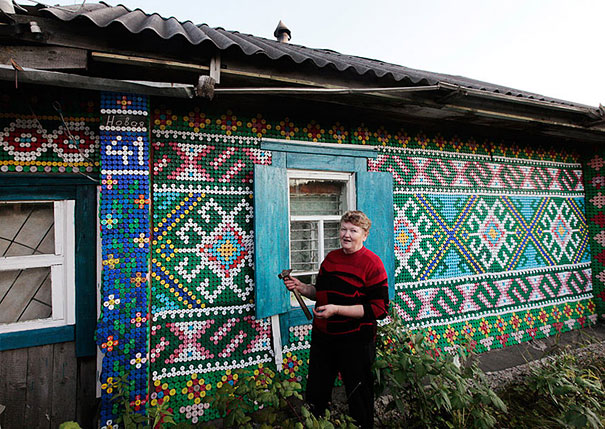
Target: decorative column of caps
x=122, y=331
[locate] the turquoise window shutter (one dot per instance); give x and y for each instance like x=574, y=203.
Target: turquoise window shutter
x=375, y=199
x=271, y=239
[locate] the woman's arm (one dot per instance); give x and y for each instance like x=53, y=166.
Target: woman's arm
x=330, y=310
x=306, y=290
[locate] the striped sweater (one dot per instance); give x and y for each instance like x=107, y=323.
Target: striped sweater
x=351, y=279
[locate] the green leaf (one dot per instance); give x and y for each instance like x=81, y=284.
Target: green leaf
x=69, y=425
x=497, y=402
x=446, y=399
x=575, y=418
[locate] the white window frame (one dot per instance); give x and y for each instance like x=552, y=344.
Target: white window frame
x=349, y=179
x=62, y=270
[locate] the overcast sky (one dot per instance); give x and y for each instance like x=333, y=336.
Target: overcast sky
x=551, y=47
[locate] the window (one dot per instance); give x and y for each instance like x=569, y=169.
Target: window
x=298, y=201
x=36, y=264
x=317, y=200
x=47, y=261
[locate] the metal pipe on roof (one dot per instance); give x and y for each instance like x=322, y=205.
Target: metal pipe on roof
x=407, y=89
x=515, y=99
x=510, y=117
x=282, y=33
x=295, y=90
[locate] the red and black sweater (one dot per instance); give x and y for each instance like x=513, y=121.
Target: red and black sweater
x=351, y=279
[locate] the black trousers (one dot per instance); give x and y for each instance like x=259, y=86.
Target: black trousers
x=354, y=362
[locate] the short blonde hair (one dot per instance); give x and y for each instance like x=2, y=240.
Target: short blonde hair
x=357, y=218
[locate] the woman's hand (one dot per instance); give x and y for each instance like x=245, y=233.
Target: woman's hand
x=326, y=311
x=292, y=283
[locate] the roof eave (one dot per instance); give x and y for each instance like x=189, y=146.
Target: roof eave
x=501, y=111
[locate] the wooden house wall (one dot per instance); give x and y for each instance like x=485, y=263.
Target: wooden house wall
x=45, y=386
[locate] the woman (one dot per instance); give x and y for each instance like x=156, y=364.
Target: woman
x=351, y=294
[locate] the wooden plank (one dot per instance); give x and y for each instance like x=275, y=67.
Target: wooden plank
x=64, y=383
x=86, y=270
x=13, y=387
x=72, y=80
x=39, y=387
x=148, y=62
x=44, y=57
x=86, y=396
x=305, y=161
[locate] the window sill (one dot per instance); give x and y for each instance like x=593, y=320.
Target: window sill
x=36, y=337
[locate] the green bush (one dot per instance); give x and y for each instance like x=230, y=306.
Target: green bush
x=562, y=393
x=266, y=400
x=422, y=389
x=157, y=417
x=428, y=390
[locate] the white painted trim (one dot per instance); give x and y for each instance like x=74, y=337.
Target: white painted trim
x=351, y=193
x=320, y=243
x=31, y=325
x=69, y=262
x=315, y=218
x=59, y=227
x=32, y=261
x=316, y=174
x=277, y=343
x=58, y=301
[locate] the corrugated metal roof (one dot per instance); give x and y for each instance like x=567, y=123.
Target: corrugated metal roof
x=137, y=21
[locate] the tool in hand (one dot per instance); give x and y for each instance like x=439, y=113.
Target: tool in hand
x=286, y=273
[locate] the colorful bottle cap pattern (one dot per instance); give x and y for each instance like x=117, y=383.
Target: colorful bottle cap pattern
x=496, y=243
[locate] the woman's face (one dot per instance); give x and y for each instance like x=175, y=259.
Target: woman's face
x=351, y=237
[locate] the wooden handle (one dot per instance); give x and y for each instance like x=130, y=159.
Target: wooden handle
x=301, y=301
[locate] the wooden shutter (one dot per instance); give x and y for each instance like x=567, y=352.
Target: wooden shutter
x=271, y=239
x=375, y=199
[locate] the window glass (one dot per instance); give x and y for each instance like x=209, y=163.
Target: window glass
x=26, y=229
x=310, y=197
x=316, y=205
x=36, y=264
x=331, y=236
x=304, y=246
x=25, y=295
